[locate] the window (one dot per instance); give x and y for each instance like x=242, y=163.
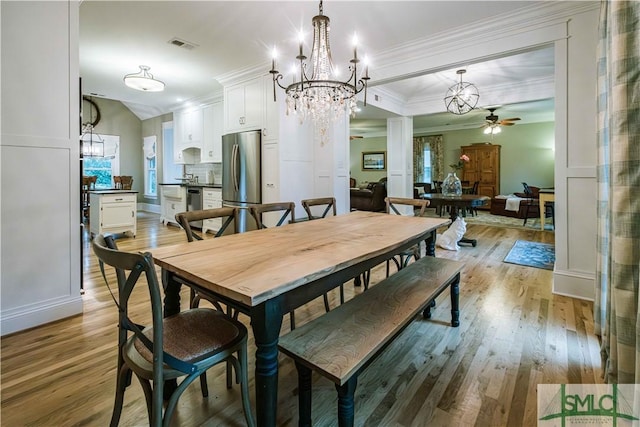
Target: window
x=104, y=168
x=426, y=173
x=150, y=169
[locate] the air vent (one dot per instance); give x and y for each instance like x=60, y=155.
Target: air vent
x=182, y=43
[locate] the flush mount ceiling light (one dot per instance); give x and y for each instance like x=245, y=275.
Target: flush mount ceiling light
x=461, y=97
x=143, y=81
x=315, y=90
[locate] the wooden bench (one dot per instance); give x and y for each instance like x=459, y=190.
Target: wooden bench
x=341, y=344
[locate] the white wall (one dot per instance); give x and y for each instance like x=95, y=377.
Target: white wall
x=40, y=175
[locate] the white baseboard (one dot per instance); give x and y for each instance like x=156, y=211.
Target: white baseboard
x=149, y=207
x=21, y=318
x=575, y=285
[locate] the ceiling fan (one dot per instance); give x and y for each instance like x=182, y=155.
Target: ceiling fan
x=492, y=122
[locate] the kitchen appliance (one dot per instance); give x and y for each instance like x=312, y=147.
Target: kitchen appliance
x=241, y=174
x=194, y=203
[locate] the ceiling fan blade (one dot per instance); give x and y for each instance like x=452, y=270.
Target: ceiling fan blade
x=512, y=119
x=352, y=137
x=503, y=123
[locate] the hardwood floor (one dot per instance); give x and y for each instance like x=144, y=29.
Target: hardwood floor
x=514, y=334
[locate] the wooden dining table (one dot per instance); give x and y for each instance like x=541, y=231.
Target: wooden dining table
x=267, y=273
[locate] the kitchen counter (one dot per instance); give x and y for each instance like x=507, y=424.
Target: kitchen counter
x=112, y=191
x=199, y=185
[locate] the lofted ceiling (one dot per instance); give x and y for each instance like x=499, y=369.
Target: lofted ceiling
x=229, y=38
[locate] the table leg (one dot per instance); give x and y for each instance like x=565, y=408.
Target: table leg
x=541, y=201
x=266, y=321
x=430, y=244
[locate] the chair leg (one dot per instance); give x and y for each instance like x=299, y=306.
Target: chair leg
x=244, y=385
x=326, y=302
x=124, y=378
x=526, y=215
x=292, y=320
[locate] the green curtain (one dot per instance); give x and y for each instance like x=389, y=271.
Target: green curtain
x=437, y=158
x=617, y=319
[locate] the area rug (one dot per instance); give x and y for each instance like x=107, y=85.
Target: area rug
x=486, y=218
x=532, y=254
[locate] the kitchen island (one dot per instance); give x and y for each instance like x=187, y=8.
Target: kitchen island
x=112, y=211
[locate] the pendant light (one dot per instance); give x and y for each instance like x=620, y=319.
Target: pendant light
x=461, y=97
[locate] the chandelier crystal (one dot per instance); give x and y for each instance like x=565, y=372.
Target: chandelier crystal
x=315, y=91
x=461, y=97
x=143, y=81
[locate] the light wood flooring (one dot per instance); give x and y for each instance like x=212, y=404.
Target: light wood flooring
x=514, y=334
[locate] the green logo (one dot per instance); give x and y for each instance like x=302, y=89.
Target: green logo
x=586, y=403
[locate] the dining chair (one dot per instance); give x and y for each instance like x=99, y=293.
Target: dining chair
x=88, y=184
x=186, y=344
x=286, y=210
x=185, y=218
x=329, y=205
x=417, y=207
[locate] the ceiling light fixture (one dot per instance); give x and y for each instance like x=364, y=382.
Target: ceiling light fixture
x=316, y=92
x=492, y=129
x=143, y=81
x=92, y=143
x=461, y=97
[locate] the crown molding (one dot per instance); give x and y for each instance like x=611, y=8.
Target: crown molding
x=414, y=58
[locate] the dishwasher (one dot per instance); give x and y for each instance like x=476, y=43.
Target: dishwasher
x=194, y=203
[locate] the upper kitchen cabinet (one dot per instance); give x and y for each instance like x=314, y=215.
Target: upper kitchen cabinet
x=244, y=106
x=190, y=128
x=213, y=116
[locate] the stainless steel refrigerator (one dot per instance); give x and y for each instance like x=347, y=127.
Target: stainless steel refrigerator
x=241, y=174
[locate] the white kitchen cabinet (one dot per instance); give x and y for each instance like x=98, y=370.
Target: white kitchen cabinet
x=112, y=212
x=244, y=106
x=270, y=173
x=188, y=136
x=211, y=199
x=191, y=128
x=173, y=200
x=272, y=111
x=213, y=117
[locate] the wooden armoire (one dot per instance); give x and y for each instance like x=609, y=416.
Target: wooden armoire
x=483, y=166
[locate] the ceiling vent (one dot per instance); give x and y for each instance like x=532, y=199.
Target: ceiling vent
x=182, y=43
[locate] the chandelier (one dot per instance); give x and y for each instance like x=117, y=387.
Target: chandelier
x=92, y=143
x=143, y=81
x=461, y=97
x=315, y=91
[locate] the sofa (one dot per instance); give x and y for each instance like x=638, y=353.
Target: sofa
x=498, y=205
x=370, y=198
x=419, y=188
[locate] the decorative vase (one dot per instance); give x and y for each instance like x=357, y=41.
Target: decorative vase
x=451, y=186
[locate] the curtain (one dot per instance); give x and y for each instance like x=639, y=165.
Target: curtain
x=617, y=316
x=149, y=146
x=434, y=142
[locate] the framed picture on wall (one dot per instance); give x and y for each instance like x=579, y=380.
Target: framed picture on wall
x=374, y=161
